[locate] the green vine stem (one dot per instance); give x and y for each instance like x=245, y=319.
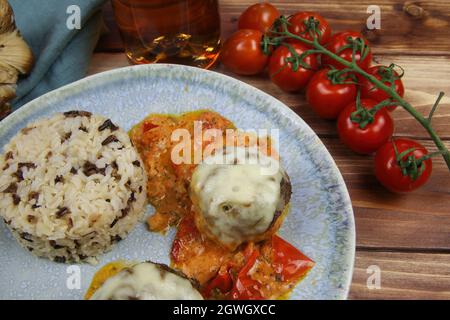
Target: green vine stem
x=279, y=36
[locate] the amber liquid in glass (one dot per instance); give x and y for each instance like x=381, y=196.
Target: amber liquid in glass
x=169, y=31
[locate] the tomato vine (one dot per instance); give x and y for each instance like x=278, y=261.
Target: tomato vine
x=279, y=33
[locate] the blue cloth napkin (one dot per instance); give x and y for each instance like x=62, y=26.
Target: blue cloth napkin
x=61, y=55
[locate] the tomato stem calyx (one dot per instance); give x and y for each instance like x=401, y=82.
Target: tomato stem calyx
x=410, y=166
x=357, y=45
x=343, y=76
x=364, y=116
x=298, y=60
x=312, y=27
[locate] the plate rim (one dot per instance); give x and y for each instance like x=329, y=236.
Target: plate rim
x=115, y=74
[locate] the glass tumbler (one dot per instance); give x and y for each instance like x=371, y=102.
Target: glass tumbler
x=169, y=31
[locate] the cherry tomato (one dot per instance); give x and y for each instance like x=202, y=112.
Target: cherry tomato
x=328, y=99
x=185, y=233
x=336, y=45
x=222, y=282
x=242, y=53
x=281, y=72
x=370, y=91
x=389, y=172
x=245, y=287
x=259, y=16
x=298, y=26
x=374, y=134
x=288, y=261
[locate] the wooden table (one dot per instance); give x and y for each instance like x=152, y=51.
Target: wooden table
x=407, y=236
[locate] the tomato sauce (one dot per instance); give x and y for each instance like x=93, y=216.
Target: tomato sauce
x=168, y=182
x=265, y=270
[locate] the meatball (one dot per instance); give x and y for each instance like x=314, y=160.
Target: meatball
x=147, y=281
x=239, y=195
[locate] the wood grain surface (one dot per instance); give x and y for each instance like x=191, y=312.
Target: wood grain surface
x=407, y=236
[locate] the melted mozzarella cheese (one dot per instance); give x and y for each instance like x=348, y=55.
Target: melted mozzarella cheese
x=146, y=281
x=237, y=193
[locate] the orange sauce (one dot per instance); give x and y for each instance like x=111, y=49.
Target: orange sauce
x=167, y=182
x=104, y=274
x=192, y=253
x=201, y=259
x=195, y=255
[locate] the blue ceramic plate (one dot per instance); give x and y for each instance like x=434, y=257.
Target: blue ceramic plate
x=320, y=222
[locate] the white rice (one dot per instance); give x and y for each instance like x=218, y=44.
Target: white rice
x=71, y=186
